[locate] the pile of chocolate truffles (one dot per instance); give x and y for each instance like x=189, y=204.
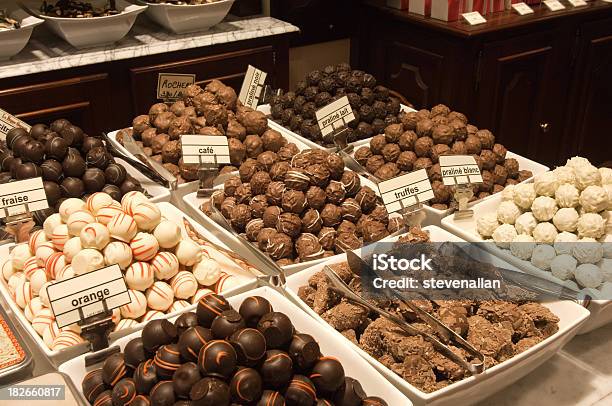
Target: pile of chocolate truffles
x=498, y=329
x=71, y=163
x=374, y=109
x=213, y=110
x=302, y=206
x=421, y=137
x=219, y=356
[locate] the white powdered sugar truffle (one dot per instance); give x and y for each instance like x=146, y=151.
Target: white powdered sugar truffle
x=522, y=246
x=524, y=195
x=207, y=272
x=587, y=251
x=525, y=223
x=606, y=176
x=566, y=219
x=72, y=247
x=78, y=220
x=508, y=193
x=594, y=199
x=577, y=161
x=591, y=225
x=50, y=223
x=564, y=242
x=586, y=176
x=545, y=184
x=486, y=224
x=508, y=212
x=545, y=233
x=504, y=235
x=69, y=206
x=167, y=233
x=542, y=256
x=188, y=252
x=567, y=196
x=563, y=266
x=160, y=296
x=606, y=268
x=565, y=175
x=544, y=208
x=588, y=276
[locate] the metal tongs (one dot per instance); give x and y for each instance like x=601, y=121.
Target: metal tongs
x=355, y=166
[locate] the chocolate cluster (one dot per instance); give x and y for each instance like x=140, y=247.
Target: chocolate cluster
x=77, y=9
x=422, y=137
x=220, y=356
x=372, y=105
x=71, y=163
x=300, y=206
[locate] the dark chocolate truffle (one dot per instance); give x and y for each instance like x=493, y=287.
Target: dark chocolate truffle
x=145, y=377
x=225, y=324
x=210, y=392
x=350, y=393
x=157, y=333
x=93, y=385
x=114, y=369
x=253, y=308
x=28, y=170
x=184, y=378
x=246, y=386
x=93, y=180
x=185, y=321
x=98, y=157
x=300, y=391
x=33, y=151
x=271, y=398
x=250, y=346
x=276, y=328
x=113, y=191
x=163, y=394
x=209, y=307
x=51, y=170
x=304, y=351
x=89, y=143
x=134, y=353
x=72, y=187
x=115, y=174
x=191, y=342
x=217, y=358
x=73, y=164
x=124, y=392
x=327, y=375
x=276, y=369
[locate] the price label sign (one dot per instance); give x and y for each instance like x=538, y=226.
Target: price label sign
x=406, y=190
x=21, y=196
x=334, y=116
x=250, y=92
x=8, y=122
x=205, y=149
x=459, y=170
x=522, y=9
x=577, y=3
x=78, y=298
x=554, y=5
x=474, y=18
x=170, y=86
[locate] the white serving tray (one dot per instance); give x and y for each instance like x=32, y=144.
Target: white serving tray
x=157, y=192
x=601, y=310
x=373, y=383
x=171, y=213
x=184, y=18
x=476, y=388
x=14, y=40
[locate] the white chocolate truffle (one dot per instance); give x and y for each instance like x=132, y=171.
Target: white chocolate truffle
x=146, y=215
x=66, y=272
x=508, y=212
x=78, y=220
x=137, y=307
x=95, y=235
x=545, y=233
x=564, y=242
x=66, y=339
x=226, y=283
x=69, y=206
x=55, y=263
x=524, y=195
x=508, y=193
x=486, y=224
x=125, y=324
x=119, y=253
x=152, y=315
x=42, y=294
x=139, y=276
x=15, y=281
x=7, y=269
x=178, y=306
x=23, y=294
x=105, y=214
x=565, y=175
x=165, y=265
x=563, y=266
x=122, y=227
x=544, y=208
x=50, y=334
x=33, y=308
x=504, y=235
x=567, y=196
x=130, y=200
x=606, y=268
x=545, y=184
x=200, y=294
x=542, y=256
x=594, y=199
x=522, y=246
x=188, y=252
x=37, y=238
x=60, y=236
x=606, y=176
x=167, y=233
x=606, y=243
x=19, y=255
x=37, y=280
x=587, y=251
x=566, y=219
x=207, y=271
x=98, y=200
x=588, y=276
x=591, y=225
x=160, y=296
x=50, y=223
x=86, y=261
x=577, y=161
x=44, y=251
x=72, y=247
x=42, y=320
x=144, y=247
x=587, y=175
x=184, y=285
x=29, y=266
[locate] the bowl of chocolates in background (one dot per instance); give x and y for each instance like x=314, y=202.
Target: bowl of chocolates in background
x=299, y=207
x=165, y=269
x=214, y=110
x=15, y=30
x=373, y=105
x=85, y=24
x=512, y=349
x=188, y=16
x=256, y=349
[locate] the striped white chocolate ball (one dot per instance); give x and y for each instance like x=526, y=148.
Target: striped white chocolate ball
x=160, y=296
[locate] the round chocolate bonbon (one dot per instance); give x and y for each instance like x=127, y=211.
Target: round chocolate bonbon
x=209, y=307
x=184, y=321
x=246, y=386
x=167, y=360
x=115, y=174
x=157, y=333
x=145, y=377
x=73, y=164
x=271, y=398
x=217, y=358
x=300, y=391
x=124, y=392
x=350, y=393
x=134, y=352
x=327, y=375
x=191, y=342
x=276, y=369
x=210, y=392
x=253, y=308
x=93, y=385
x=184, y=378
x=276, y=328
x=250, y=346
x=56, y=148
x=114, y=369
x=225, y=324
x=163, y=394
x=304, y=351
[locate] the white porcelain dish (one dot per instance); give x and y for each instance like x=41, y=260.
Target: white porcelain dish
x=94, y=31
x=168, y=211
x=157, y=192
x=601, y=310
x=476, y=388
x=14, y=40
x=373, y=383
x=184, y=18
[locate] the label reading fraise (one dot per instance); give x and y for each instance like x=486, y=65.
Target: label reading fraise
x=22, y=196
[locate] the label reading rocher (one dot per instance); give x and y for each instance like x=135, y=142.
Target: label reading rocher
x=204, y=149
x=459, y=170
x=406, y=190
x=8, y=122
x=170, y=86
x=14, y=197
x=335, y=115
x=250, y=92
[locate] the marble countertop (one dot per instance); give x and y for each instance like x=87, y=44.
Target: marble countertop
x=47, y=52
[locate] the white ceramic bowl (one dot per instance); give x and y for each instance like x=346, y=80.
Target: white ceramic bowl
x=475, y=388
x=91, y=32
x=373, y=383
x=186, y=18
x=14, y=40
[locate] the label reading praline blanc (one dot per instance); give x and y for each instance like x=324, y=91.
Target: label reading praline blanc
x=81, y=297
x=21, y=196
x=170, y=86
x=205, y=149
x=459, y=170
x=406, y=190
x=335, y=115
x=8, y=122
x=250, y=92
